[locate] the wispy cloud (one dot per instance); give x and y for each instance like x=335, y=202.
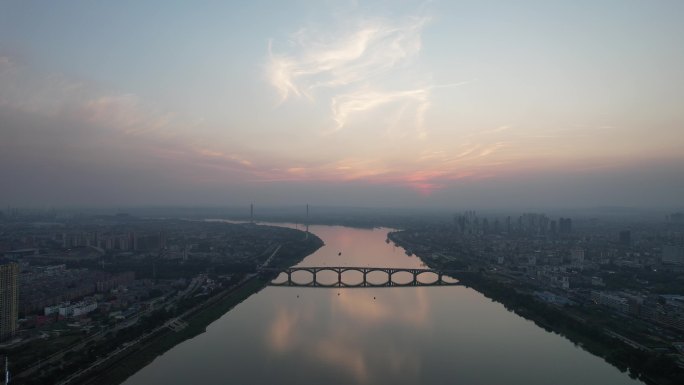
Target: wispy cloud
x=342, y=57
x=345, y=105
x=356, y=69
x=121, y=121
x=126, y=112
x=52, y=94
x=32, y=91
x=347, y=69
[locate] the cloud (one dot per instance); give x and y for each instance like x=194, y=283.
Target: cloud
x=22, y=88
x=343, y=57
x=72, y=124
x=117, y=119
x=357, y=68
x=345, y=105
x=125, y=112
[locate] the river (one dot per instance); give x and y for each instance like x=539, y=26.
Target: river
x=395, y=335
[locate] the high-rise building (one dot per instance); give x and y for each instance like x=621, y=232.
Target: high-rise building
x=625, y=237
x=564, y=225
x=9, y=300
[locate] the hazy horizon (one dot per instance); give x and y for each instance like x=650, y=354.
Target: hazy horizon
x=438, y=104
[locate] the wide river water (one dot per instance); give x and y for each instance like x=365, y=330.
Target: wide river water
x=393, y=335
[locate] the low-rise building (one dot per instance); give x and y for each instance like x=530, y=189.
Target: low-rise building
x=610, y=300
x=68, y=309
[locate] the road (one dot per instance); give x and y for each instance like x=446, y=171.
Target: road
x=166, y=325
x=270, y=258
x=133, y=319
x=130, y=321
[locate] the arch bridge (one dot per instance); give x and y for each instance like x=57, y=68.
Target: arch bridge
x=365, y=271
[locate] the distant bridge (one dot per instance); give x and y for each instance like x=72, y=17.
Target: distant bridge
x=340, y=282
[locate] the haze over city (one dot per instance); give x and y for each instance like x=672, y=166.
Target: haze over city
x=380, y=192
x=430, y=103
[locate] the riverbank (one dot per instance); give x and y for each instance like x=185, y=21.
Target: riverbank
x=121, y=367
x=586, y=331
x=651, y=368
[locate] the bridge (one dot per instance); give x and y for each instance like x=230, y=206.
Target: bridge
x=365, y=271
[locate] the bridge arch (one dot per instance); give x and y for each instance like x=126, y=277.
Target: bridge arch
x=437, y=277
x=411, y=277
x=292, y=279
x=328, y=276
x=377, y=277
x=345, y=280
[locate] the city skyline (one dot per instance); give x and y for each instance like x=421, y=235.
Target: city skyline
x=343, y=103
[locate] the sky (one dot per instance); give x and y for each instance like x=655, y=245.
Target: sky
x=468, y=104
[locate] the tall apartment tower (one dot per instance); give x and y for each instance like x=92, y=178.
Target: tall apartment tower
x=9, y=300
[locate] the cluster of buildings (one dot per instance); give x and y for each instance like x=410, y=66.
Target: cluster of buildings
x=68, y=309
x=666, y=310
x=42, y=286
x=93, y=266
x=633, y=270
x=673, y=254
x=49, y=290
x=527, y=224
x=130, y=241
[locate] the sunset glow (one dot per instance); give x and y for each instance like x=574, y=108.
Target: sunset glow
x=424, y=100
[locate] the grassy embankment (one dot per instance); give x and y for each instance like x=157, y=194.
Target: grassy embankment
x=120, y=368
x=586, y=330
x=123, y=367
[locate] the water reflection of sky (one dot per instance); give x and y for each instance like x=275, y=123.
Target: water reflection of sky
x=400, y=335
x=340, y=334
x=351, y=315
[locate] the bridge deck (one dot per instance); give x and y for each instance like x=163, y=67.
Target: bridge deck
x=364, y=270
x=358, y=268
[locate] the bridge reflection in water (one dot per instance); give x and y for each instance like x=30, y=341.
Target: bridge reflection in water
x=441, y=277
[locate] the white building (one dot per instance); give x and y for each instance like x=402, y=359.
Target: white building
x=613, y=301
x=68, y=309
